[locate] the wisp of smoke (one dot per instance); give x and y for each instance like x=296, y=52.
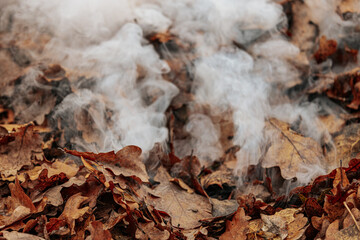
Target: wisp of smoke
x=130, y=96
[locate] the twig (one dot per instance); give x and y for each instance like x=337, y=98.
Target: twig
x=357, y=226
x=341, y=171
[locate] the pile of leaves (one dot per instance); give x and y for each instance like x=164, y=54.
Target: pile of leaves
x=50, y=191
x=111, y=196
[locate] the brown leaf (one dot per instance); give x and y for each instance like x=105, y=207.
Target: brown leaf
x=335, y=210
x=126, y=162
x=149, y=231
x=101, y=157
x=313, y=208
x=17, y=214
x=53, y=194
x=296, y=229
x=349, y=233
x=279, y=223
x=185, y=209
x=332, y=123
x=294, y=150
x=340, y=178
x=317, y=222
x=131, y=164
x=182, y=185
x=303, y=32
x=161, y=37
x=114, y=219
x=25, y=146
x=20, y=205
x=326, y=49
x=236, y=228
x=187, y=169
x=332, y=230
x=223, y=207
x=346, y=88
x=347, y=143
x=97, y=231
x=19, y=197
x=72, y=210
x=348, y=6
x=20, y=236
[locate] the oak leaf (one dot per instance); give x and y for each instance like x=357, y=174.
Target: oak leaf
x=292, y=152
x=185, y=209
x=23, y=147
x=236, y=228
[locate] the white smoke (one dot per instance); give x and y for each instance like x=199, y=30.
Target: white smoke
x=106, y=38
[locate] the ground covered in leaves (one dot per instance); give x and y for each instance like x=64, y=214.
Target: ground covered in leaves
x=50, y=191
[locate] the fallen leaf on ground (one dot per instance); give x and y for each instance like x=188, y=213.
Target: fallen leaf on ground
x=349, y=233
x=20, y=236
x=184, y=208
x=332, y=230
x=292, y=151
x=326, y=49
x=25, y=146
x=126, y=162
x=72, y=210
x=236, y=228
x=347, y=143
x=97, y=232
x=149, y=231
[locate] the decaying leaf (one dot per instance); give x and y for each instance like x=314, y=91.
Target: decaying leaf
x=72, y=210
x=296, y=228
x=20, y=236
x=19, y=206
x=149, y=231
x=346, y=88
x=236, y=228
x=223, y=207
x=347, y=143
x=332, y=230
x=349, y=233
x=20, y=148
x=126, y=162
x=292, y=151
x=185, y=209
x=97, y=232
x=332, y=123
x=326, y=49
x=340, y=178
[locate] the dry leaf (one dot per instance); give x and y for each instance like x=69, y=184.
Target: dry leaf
x=97, y=232
x=72, y=210
x=236, y=228
x=126, y=162
x=53, y=194
x=332, y=123
x=20, y=236
x=181, y=184
x=292, y=151
x=100, y=157
x=149, y=231
x=332, y=230
x=326, y=49
x=296, y=228
x=21, y=147
x=335, y=210
x=185, y=209
x=349, y=6
x=340, y=178
x=349, y=233
x=346, y=143
x=303, y=32
x=223, y=207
